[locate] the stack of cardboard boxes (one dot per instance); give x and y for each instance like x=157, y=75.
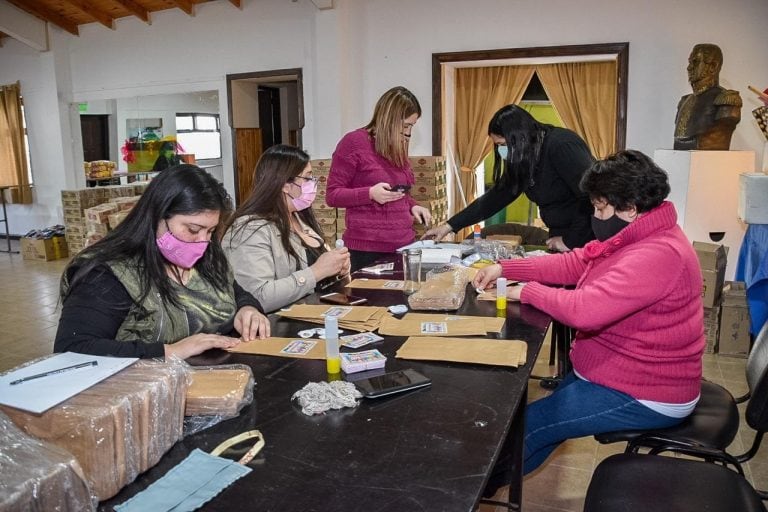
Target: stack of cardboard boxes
x=85, y=216
x=429, y=189
x=331, y=220
x=726, y=315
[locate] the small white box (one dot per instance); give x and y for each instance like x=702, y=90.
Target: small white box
x=352, y=362
x=753, y=198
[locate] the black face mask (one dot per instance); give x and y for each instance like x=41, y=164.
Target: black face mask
x=605, y=229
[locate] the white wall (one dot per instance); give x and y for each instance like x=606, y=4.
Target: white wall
x=359, y=49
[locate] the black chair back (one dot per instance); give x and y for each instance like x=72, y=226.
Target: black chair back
x=757, y=380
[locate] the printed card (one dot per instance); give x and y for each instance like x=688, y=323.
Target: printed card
x=359, y=340
x=434, y=328
x=338, y=311
x=393, y=285
x=299, y=347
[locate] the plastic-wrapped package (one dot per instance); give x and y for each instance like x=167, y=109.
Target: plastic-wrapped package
x=216, y=393
x=36, y=476
x=118, y=428
x=444, y=289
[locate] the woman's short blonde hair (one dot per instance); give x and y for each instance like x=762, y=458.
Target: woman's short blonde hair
x=386, y=126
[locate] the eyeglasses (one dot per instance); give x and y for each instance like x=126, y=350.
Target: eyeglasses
x=313, y=179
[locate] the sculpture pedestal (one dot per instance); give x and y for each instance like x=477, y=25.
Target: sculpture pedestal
x=705, y=192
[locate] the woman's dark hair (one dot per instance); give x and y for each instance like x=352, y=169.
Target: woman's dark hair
x=278, y=165
x=625, y=179
x=524, y=137
x=179, y=190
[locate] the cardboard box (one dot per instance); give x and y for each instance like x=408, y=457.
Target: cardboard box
x=733, y=339
x=713, y=260
x=753, y=192
x=100, y=214
x=711, y=329
x=47, y=249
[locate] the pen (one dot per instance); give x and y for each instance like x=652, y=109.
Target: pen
x=54, y=372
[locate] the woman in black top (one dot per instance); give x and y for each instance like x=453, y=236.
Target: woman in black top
x=544, y=162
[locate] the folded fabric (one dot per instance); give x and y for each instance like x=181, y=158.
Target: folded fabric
x=192, y=483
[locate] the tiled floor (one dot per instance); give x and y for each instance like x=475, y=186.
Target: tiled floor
x=28, y=318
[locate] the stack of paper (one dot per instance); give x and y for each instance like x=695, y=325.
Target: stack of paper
x=283, y=347
x=465, y=350
x=354, y=318
x=491, y=323
x=431, y=325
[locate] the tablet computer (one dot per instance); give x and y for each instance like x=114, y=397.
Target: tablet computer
x=390, y=383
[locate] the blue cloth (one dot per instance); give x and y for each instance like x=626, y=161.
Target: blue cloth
x=580, y=408
x=752, y=269
x=193, y=482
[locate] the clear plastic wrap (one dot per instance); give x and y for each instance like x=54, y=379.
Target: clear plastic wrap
x=443, y=289
x=118, y=428
x=494, y=250
x=216, y=393
x=36, y=476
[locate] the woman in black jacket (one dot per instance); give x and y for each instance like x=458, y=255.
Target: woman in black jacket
x=545, y=163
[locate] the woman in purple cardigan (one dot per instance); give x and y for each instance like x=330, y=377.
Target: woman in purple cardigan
x=370, y=175
x=636, y=307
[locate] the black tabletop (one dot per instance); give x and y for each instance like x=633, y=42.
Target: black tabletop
x=428, y=449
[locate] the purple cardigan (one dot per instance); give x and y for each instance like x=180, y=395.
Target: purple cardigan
x=371, y=226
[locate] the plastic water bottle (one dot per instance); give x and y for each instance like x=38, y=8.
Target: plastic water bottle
x=332, y=359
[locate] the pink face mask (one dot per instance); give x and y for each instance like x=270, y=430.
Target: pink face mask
x=307, y=197
x=180, y=253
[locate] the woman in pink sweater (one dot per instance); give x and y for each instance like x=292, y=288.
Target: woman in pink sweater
x=370, y=176
x=636, y=307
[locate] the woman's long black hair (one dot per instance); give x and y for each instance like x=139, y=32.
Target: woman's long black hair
x=524, y=137
x=179, y=190
x=278, y=165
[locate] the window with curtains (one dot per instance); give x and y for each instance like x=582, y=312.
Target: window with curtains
x=15, y=173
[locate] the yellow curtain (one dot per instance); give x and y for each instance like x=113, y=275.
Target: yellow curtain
x=13, y=158
x=480, y=92
x=584, y=95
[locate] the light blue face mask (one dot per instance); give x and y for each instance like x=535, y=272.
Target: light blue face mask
x=503, y=151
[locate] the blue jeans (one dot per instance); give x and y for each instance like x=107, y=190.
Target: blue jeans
x=579, y=408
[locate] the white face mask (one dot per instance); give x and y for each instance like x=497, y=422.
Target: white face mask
x=503, y=151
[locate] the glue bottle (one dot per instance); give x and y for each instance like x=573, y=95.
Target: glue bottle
x=476, y=235
x=332, y=360
x=501, y=293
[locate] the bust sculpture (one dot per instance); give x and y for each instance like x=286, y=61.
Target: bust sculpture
x=707, y=117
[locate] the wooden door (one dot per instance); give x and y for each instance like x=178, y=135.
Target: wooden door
x=95, y=132
x=248, y=150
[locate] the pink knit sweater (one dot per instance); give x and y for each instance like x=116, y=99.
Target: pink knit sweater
x=637, y=307
x=371, y=226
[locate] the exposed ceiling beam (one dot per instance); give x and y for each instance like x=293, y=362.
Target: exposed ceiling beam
x=185, y=5
x=236, y=3
x=323, y=4
x=46, y=14
x=86, y=8
x=23, y=27
x=135, y=9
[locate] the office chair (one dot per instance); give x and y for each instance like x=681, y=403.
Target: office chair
x=633, y=482
x=714, y=421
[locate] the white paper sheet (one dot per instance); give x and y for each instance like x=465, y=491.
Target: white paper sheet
x=39, y=395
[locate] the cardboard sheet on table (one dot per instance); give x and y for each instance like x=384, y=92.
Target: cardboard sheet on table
x=492, y=323
x=360, y=319
x=273, y=346
x=465, y=350
x=316, y=311
x=377, y=284
x=409, y=326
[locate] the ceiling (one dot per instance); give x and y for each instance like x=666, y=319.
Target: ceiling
x=70, y=14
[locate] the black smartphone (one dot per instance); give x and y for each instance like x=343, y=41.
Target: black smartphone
x=400, y=188
x=342, y=299
x=393, y=382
